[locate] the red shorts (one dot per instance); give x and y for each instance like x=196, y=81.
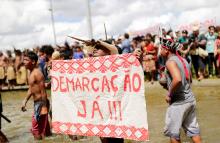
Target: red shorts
x=41, y=127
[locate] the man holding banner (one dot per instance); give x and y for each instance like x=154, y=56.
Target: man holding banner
x=182, y=104
x=100, y=96
x=104, y=49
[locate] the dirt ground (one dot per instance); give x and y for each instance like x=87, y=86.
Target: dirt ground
x=207, y=94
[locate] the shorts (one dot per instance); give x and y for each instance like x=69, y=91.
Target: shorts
x=184, y=116
x=41, y=127
x=111, y=140
x=2, y=81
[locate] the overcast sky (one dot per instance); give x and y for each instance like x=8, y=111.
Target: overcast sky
x=27, y=23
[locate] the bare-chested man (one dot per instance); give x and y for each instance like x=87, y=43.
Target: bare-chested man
x=3, y=138
x=3, y=59
x=3, y=64
x=40, y=124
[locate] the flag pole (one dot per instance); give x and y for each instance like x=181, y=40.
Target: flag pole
x=89, y=20
x=106, y=38
x=52, y=20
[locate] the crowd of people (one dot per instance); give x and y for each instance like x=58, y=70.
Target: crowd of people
x=201, y=50
x=179, y=53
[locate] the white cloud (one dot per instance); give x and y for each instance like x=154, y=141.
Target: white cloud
x=26, y=23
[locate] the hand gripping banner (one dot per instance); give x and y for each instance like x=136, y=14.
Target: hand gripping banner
x=101, y=96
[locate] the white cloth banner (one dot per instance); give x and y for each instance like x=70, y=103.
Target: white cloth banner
x=101, y=96
x=155, y=29
x=202, y=25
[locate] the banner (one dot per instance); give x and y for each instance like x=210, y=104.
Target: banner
x=203, y=25
x=152, y=30
x=101, y=96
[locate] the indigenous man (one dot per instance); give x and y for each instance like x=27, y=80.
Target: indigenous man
x=104, y=49
x=182, y=104
x=217, y=53
x=40, y=124
x=10, y=74
x=3, y=138
x=3, y=64
x=197, y=41
x=210, y=48
x=149, y=57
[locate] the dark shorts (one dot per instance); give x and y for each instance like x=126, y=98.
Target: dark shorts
x=112, y=140
x=2, y=81
x=13, y=81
